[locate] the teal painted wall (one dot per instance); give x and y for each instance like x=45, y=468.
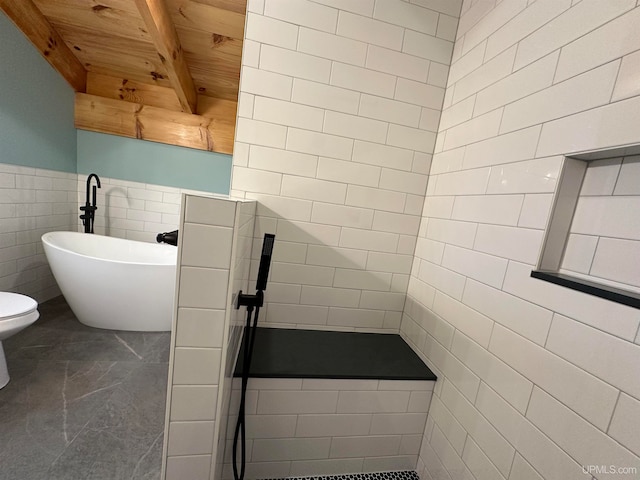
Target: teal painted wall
x=155, y=163
x=36, y=107
x=37, y=130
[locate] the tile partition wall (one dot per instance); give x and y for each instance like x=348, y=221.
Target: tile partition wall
x=214, y=253
x=33, y=201
x=338, y=111
x=604, y=237
x=309, y=427
x=535, y=381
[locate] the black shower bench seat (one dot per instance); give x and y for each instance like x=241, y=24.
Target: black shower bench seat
x=291, y=353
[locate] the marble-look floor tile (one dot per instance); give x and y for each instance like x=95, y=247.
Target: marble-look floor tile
x=83, y=403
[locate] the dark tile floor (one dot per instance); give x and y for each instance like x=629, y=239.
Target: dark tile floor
x=82, y=403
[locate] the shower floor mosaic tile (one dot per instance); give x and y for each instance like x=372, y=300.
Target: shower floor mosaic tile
x=399, y=475
x=82, y=403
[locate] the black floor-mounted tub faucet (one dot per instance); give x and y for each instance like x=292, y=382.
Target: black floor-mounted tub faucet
x=89, y=209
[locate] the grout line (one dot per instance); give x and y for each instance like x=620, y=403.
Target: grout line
x=524, y=199
x=464, y=445
x=546, y=338
x=535, y=152
x=613, y=86
x=500, y=123
x=533, y=387
x=595, y=251
x=513, y=461
x=613, y=192
x=613, y=412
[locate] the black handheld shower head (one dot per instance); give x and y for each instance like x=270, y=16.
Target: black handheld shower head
x=252, y=301
x=265, y=261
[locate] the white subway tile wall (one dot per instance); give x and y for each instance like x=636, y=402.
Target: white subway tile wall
x=340, y=111
x=337, y=149
x=325, y=426
x=534, y=381
x=33, y=201
x=215, y=251
x=132, y=210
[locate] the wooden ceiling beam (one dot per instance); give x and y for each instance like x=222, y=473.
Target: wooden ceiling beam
x=129, y=90
x=46, y=39
x=157, y=18
x=134, y=120
x=238, y=6
x=207, y=19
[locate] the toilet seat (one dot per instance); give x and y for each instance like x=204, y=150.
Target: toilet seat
x=13, y=305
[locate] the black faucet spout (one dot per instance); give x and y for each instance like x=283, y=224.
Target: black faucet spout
x=89, y=209
x=93, y=175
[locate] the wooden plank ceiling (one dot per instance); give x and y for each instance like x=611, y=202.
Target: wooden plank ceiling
x=160, y=70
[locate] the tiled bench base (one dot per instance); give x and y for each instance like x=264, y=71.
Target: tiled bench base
x=311, y=427
x=331, y=403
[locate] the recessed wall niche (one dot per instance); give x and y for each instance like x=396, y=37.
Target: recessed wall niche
x=592, y=240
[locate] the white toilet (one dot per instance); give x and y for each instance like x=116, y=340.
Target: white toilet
x=16, y=312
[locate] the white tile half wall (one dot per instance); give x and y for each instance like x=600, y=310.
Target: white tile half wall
x=33, y=201
x=535, y=381
x=214, y=255
x=338, y=111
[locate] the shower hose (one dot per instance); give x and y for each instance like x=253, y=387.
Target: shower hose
x=249, y=338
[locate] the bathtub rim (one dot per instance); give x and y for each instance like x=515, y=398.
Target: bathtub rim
x=45, y=238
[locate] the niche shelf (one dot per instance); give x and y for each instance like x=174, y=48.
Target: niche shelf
x=617, y=180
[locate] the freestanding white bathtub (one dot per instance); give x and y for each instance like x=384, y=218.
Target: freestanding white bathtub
x=114, y=283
